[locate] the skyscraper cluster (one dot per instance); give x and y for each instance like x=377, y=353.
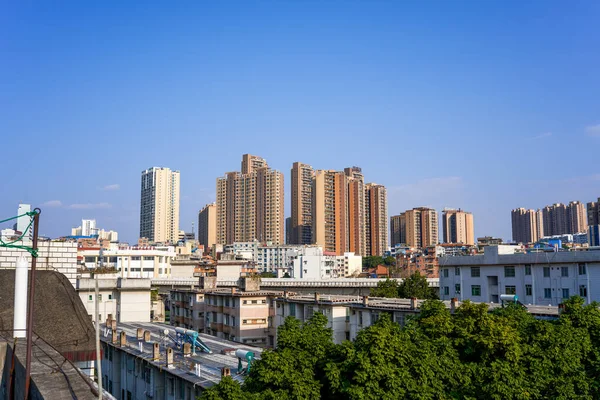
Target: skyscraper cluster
x=528, y=226
x=338, y=211
x=159, y=206
x=250, y=204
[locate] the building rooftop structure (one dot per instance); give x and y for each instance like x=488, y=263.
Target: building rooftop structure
x=211, y=365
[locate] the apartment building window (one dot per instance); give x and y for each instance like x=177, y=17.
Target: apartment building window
x=457, y=288
x=232, y=320
x=475, y=290
x=446, y=274
x=547, y=293
x=148, y=258
x=360, y=318
x=582, y=269
x=457, y=271
x=582, y=290
x=546, y=272
x=446, y=290
x=293, y=309
x=527, y=269
x=226, y=301
x=90, y=259
x=90, y=297
x=528, y=290
x=110, y=297
x=564, y=271
x=475, y=272
x=100, y=297
x=510, y=289
x=135, y=258
x=509, y=272
x=565, y=293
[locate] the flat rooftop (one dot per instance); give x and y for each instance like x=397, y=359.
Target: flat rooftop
x=183, y=367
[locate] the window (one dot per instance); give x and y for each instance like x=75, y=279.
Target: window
x=565, y=293
x=293, y=309
x=245, y=302
x=527, y=269
x=510, y=289
x=509, y=272
x=547, y=293
x=446, y=272
x=135, y=258
x=582, y=290
x=446, y=290
x=546, y=272
x=475, y=272
x=99, y=297
x=90, y=297
x=475, y=290
x=582, y=269
x=148, y=258
x=110, y=297
x=528, y=290
x=360, y=318
x=457, y=288
x=564, y=271
x=90, y=259
x=456, y=271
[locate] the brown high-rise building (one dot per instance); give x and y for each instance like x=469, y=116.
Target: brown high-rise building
x=376, y=219
x=207, y=226
x=528, y=226
x=357, y=212
x=458, y=226
x=301, y=220
x=398, y=229
x=576, y=217
x=250, y=204
x=329, y=222
x=421, y=227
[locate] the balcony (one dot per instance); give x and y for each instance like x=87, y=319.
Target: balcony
x=216, y=326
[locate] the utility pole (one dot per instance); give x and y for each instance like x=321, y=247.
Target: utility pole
x=97, y=317
x=36, y=222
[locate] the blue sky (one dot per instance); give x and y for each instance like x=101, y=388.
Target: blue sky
x=483, y=105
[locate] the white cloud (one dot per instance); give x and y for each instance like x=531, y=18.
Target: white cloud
x=114, y=186
x=52, y=204
x=543, y=135
x=593, y=130
x=89, y=206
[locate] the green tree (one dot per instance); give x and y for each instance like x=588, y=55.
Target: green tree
x=417, y=286
x=389, y=261
x=386, y=288
x=372, y=262
x=227, y=389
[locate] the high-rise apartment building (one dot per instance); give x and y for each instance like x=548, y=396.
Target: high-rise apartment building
x=23, y=223
x=250, y=204
x=376, y=219
x=458, y=226
x=593, y=220
x=421, y=227
x=330, y=215
x=207, y=225
x=398, y=229
x=528, y=226
x=159, y=206
x=301, y=219
x=576, y=217
x=357, y=212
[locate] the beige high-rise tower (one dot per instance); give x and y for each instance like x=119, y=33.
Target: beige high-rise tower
x=421, y=227
x=159, y=205
x=330, y=215
x=301, y=220
x=398, y=229
x=577, y=217
x=528, y=226
x=458, y=226
x=376, y=219
x=207, y=225
x=250, y=204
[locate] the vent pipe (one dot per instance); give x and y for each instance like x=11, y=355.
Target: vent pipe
x=20, y=305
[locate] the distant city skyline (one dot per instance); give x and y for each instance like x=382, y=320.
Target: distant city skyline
x=486, y=106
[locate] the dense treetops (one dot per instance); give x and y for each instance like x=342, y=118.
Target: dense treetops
x=414, y=286
x=473, y=354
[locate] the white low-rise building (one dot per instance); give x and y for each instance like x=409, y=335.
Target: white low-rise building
x=536, y=277
x=126, y=300
x=316, y=264
x=131, y=261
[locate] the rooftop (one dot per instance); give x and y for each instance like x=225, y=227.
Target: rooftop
x=210, y=364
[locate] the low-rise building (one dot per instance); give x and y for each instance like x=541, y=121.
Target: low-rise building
x=130, y=261
x=187, y=309
x=536, y=277
x=125, y=300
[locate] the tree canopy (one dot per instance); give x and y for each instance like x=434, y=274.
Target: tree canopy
x=471, y=354
x=374, y=261
x=414, y=286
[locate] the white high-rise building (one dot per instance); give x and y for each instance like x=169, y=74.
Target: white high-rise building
x=88, y=227
x=159, y=206
x=23, y=222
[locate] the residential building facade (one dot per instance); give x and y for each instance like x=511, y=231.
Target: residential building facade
x=301, y=219
x=250, y=204
x=528, y=226
x=376, y=212
x=458, y=226
x=421, y=227
x=159, y=206
x=207, y=226
x=538, y=278
x=398, y=229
